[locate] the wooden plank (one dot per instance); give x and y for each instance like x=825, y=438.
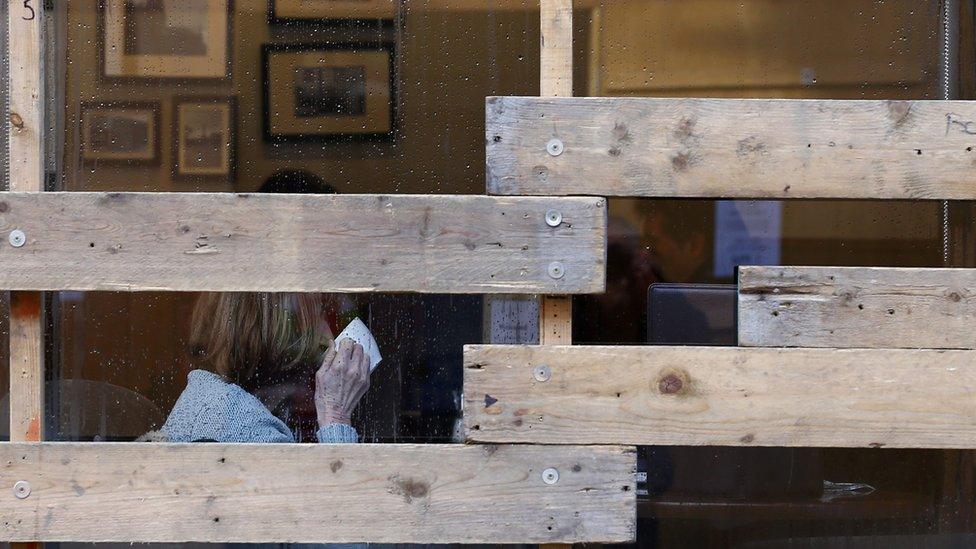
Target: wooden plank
x=25, y=101
x=556, y=79
x=26, y=165
x=556, y=48
x=732, y=148
x=144, y=492
x=26, y=95
x=857, y=307
x=26, y=367
x=722, y=396
x=556, y=320
x=301, y=243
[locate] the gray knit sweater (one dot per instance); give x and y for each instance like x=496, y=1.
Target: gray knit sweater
x=213, y=410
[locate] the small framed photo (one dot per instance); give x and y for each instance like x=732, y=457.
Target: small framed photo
x=331, y=11
x=166, y=38
x=123, y=132
x=204, y=137
x=328, y=92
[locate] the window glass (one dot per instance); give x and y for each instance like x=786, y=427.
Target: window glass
x=671, y=262
x=282, y=96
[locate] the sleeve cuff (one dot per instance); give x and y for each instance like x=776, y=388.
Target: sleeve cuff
x=338, y=433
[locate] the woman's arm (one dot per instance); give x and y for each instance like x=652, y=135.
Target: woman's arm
x=339, y=385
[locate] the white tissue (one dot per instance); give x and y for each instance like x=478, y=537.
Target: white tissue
x=358, y=332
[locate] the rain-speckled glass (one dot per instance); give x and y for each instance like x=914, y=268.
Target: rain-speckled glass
x=671, y=263
x=252, y=96
x=388, y=97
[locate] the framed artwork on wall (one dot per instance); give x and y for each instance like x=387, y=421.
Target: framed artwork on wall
x=204, y=137
x=123, y=132
x=166, y=38
x=328, y=92
x=330, y=11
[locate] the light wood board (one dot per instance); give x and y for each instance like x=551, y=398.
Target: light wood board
x=732, y=148
x=870, y=307
x=556, y=79
x=26, y=161
x=723, y=396
x=269, y=493
x=352, y=243
x=556, y=48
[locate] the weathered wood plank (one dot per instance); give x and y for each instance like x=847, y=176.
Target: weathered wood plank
x=144, y=492
x=724, y=396
x=26, y=164
x=556, y=79
x=732, y=148
x=354, y=243
x=26, y=366
x=857, y=307
x=556, y=48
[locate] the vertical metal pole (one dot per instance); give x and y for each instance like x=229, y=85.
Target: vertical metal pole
x=950, y=64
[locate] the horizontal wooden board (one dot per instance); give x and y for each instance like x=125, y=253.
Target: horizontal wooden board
x=869, y=307
x=732, y=148
x=724, y=396
x=146, y=492
x=301, y=243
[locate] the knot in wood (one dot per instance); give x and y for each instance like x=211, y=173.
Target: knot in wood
x=670, y=384
x=17, y=121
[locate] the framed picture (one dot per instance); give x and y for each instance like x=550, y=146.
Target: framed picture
x=328, y=92
x=166, y=38
x=330, y=11
x=124, y=132
x=204, y=137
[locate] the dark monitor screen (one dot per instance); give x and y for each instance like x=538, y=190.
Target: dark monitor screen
x=691, y=314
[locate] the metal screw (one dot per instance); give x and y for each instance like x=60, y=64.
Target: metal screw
x=554, y=147
x=556, y=270
x=550, y=476
x=22, y=489
x=542, y=373
x=17, y=238
x=554, y=218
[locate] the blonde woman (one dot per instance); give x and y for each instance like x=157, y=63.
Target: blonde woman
x=251, y=343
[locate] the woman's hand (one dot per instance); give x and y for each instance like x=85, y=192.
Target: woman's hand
x=341, y=382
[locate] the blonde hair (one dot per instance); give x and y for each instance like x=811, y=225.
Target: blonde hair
x=255, y=339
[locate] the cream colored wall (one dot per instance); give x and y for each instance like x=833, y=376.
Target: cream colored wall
x=771, y=48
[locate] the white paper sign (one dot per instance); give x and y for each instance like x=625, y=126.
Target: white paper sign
x=358, y=332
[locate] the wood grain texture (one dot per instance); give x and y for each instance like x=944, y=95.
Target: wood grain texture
x=353, y=243
x=556, y=79
x=26, y=367
x=722, y=396
x=556, y=47
x=26, y=164
x=26, y=96
x=869, y=307
x=732, y=148
x=556, y=320
x=263, y=493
